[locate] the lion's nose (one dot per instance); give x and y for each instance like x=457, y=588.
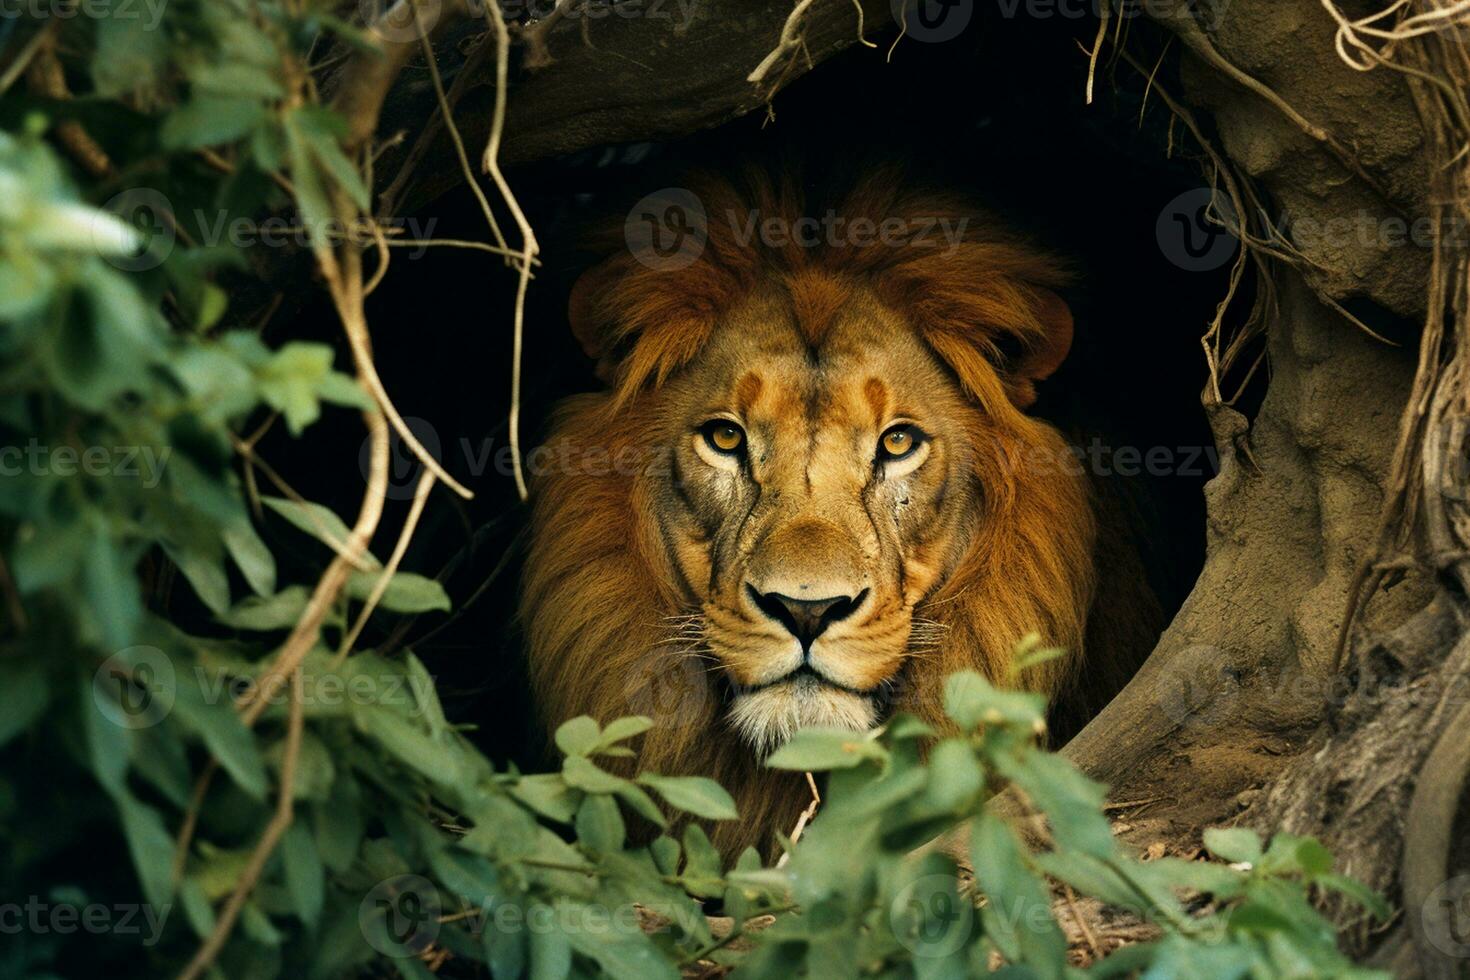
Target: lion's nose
x=807, y=619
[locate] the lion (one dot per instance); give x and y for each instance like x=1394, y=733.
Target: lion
x=818, y=489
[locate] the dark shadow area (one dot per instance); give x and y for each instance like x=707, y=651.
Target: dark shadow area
x=998, y=112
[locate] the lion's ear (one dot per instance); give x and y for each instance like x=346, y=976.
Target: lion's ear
x=1046, y=352
x=587, y=310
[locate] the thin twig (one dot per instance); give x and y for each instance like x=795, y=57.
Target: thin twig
x=279, y=823
x=416, y=509
x=529, y=249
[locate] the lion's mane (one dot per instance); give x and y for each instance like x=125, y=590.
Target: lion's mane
x=600, y=587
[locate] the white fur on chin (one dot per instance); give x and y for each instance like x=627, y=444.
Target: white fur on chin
x=768, y=717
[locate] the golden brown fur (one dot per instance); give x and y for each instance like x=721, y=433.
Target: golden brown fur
x=640, y=593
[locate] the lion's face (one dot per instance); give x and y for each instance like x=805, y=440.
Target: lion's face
x=831, y=492
x=816, y=495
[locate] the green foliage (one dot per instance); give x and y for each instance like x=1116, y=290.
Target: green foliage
x=125, y=379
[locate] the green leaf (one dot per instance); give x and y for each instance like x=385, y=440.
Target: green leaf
x=315, y=771
x=277, y=612
x=24, y=695
x=665, y=851
x=219, y=726
x=111, y=592
x=108, y=745
x=1290, y=854
x=151, y=847
x=234, y=78
x=600, y=825
x=693, y=794
x=312, y=200
x=622, y=729
x=551, y=953
x=549, y=795
x=971, y=701
x=205, y=572
x=505, y=948
x=317, y=521
x=701, y=864
x=305, y=877
x=1017, y=917
x=209, y=120
x=340, y=825
x=1234, y=844
x=320, y=128
x=406, y=592
x=1357, y=892
x=642, y=804
x=343, y=389
x=1072, y=802
x=622, y=954
x=408, y=744
x=579, y=736
x=584, y=775
x=288, y=382
x=955, y=778
x=251, y=556
x=816, y=749
x=131, y=50
x=197, y=908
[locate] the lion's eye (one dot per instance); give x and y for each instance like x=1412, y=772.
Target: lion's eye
x=899, y=442
x=724, y=436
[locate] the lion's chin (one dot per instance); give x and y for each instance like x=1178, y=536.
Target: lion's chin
x=768, y=717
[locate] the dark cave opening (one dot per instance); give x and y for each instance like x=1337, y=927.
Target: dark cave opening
x=999, y=113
